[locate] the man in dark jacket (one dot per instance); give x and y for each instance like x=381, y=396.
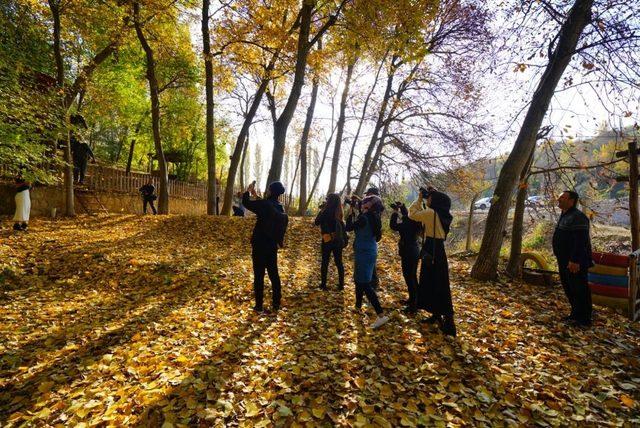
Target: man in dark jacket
x=264, y=245
x=81, y=152
x=572, y=248
x=409, y=250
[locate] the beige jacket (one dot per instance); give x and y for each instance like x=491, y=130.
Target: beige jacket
x=425, y=215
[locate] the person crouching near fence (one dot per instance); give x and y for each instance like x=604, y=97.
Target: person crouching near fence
x=23, y=204
x=330, y=220
x=148, y=193
x=434, y=292
x=364, y=220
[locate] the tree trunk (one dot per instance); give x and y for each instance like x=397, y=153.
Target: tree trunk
x=513, y=267
x=242, y=136
x=364, y=112
x=362, y=181
x=130, y=158
x=304, y=140
x=340, y=132
x=467, y=245
x=486, y=265
x=243, y=162
x=211, y=147
x=121, y=144
x=54, y=6
x=295, y=175
x=282, y=124
x=163, y=192
x=315, y=180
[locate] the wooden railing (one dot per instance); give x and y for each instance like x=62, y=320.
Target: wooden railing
x=102, y=178
x=108, y=179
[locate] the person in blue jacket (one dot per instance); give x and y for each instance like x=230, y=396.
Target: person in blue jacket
x=364, y=220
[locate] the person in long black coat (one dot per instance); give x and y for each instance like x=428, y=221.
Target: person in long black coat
x=330, y=220
x=408, y=249
x=434, y=292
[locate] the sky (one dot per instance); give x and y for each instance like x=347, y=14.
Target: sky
x=573, y=113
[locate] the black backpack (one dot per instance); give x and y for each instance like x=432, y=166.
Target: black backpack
x=340, y=237
x=276, y=226
x=376, y=225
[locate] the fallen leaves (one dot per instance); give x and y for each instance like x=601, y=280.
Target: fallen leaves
x=146, y=321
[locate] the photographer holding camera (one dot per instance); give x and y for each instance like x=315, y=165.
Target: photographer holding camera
x=409, y=250
x=364, y=220
x=434, y=292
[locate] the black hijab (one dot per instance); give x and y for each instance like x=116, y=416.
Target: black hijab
x=441, y=204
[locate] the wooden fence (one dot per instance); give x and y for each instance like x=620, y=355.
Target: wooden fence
x=104, y=178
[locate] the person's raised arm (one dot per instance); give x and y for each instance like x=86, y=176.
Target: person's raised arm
x=319, y=217
x=393, y=222
x=418, y=213
x=257, y=205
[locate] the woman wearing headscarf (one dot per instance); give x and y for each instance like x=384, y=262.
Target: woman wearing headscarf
x=330, y=220
x=23, y=204
x=434, y=292
x=367, y=226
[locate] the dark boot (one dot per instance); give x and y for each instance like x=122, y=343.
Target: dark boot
x=359, y=295
x=432, y=319
x=24, y=226
x=447, y=325
x=16, y=226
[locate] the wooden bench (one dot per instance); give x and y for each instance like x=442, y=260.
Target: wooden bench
x=614, y=282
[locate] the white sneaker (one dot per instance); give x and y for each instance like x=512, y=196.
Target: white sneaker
x=380, y=321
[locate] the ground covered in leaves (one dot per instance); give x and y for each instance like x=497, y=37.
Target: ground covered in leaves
x=147, y=321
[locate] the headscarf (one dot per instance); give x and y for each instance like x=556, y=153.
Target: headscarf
x=276, y=188
x=441, y=204
x=376, y=203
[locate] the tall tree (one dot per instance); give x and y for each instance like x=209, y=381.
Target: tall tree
x=579, y=16
x=340, y=131
x=302, y=53
x=304, y=140
x=163, y=191
x=211, y=148
x=69, y=93
x=235, y=45
x=55, y=7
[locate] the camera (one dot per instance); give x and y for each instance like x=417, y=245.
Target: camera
x=425, y=191
x=354, y=201
x=395, y=205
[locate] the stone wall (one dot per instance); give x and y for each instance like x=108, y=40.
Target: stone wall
x=44, y=198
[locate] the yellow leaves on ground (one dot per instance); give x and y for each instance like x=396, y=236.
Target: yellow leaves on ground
x=124, y=320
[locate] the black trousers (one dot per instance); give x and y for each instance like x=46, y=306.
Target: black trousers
x=576, y=288
x=367, y=289
x=79, y=171
x=327, y=250
x=150, y=202
x=266, y=259
x=410, y=274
